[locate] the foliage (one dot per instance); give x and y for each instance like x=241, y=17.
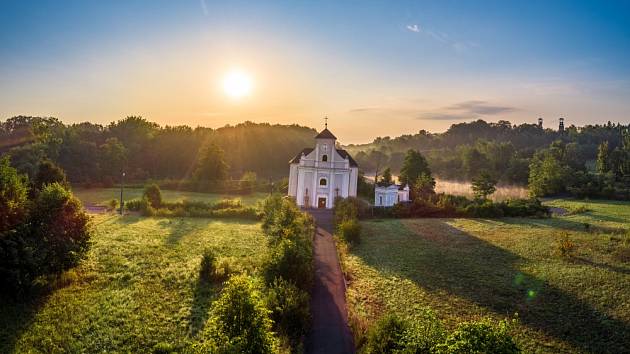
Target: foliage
x=350, y=231
x=153, y=195
x=413, y=167
x=290, y=310
x=386, y=335
x=386, y=178
x=53, y=238
x=603, y=158
x=248, y=182
x=291, y=259
x=240, y=321
x=211, y=165
x=547, y=175
x=13, y=196
x=482, y=336
x=424, y=186
x=483, y=185
x=48, y=173
x=565, y=248
x=208, y=266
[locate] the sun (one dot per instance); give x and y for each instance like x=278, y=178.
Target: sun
x=237, y=84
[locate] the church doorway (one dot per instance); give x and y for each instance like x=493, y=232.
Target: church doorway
x=321, y=202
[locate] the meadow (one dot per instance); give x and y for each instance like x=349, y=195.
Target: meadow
x=503, y=192
x=101, y=196
x=139, y=286
x=466, y=269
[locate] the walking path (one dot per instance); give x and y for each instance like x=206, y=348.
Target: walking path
x=329, y=332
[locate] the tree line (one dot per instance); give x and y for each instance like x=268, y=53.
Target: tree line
x=503, y=149
x=93, y=154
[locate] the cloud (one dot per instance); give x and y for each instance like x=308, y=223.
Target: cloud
x=413, y=28
x=465, y=110
x=480, y=107
x=444, y=38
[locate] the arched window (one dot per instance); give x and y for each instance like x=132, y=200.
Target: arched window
x=325, y=158
x=323, y=182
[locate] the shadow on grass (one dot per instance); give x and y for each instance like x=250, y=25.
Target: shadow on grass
x=437, y=256
x=15, y=318
x=204, y=294
x=561, y=223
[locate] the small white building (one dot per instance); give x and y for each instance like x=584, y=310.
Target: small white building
x=318, y=175
x=387, y=196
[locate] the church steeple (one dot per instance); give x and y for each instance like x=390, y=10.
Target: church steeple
x=325, y=134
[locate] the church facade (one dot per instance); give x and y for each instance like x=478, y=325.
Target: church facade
x=318, y=175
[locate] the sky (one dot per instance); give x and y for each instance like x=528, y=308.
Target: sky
x=375, y=68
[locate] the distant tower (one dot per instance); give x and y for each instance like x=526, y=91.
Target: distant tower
x=540, y=121
x=561, y=125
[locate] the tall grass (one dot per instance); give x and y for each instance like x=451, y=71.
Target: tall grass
x=503, y=192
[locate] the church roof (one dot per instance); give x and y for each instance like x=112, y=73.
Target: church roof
x=343, y=153
x=325, y=134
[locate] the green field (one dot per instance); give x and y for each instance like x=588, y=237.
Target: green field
x=139, y=286
x=470, y=268
x=101, y=196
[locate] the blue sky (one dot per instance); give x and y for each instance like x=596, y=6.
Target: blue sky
x=375, y=67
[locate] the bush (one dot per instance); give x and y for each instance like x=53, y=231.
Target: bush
x=208, y=269
x=153, y=195
x=524, y=208
x=386, y=335
x=484, y=209
x=112, y=205
x=163, y=348
x=13, y=196
x=565, y=248
x=239, y=321
x=480, y=337
x=136, y=204
x=289, y=307
x=350, y=231
x=290, y=259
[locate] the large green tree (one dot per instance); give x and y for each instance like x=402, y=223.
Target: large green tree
x=13, y=196
x=413, y=167
x=211, y=166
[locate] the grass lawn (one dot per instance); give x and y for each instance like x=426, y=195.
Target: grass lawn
x=139, y=286
x=470, y=268
x=101, y=196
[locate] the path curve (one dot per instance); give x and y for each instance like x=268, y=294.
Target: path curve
x=330, y=332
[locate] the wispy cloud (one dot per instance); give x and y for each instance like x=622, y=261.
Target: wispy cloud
x=465, y=110
x=413, y=28
x=439, y=36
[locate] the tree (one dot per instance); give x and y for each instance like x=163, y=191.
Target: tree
x=386, y=179
x=483, y=185
x=414, y=165
x=13, y=196
x=424, y=186
x=547, y=176
x=153, y=195
x=248, y=182
x=48, y=173
x=603, y=158
x=211, y=166
x=240, y=321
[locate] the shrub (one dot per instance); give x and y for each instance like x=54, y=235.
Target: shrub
x=48, y=173
x=134, y=204
x=424, y=333
x=484, y=209
x=208, y=269
x=290, y=259
x=480, y=337
x=13, y=196
x=386, y=335
x=565, y=248
x=524, y=207
x=350, y=231
x=239, y=321
x=112, y=205
x=153, y=195
x=289, y=307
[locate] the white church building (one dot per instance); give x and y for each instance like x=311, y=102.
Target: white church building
x=318, y=175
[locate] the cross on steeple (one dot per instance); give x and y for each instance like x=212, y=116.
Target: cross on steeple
x=326, y=122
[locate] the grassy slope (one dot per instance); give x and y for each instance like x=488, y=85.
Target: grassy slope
x=466, y=269
x=100, y=196
x=138, y=287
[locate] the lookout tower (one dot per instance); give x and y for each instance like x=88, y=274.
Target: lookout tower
x=561, y=125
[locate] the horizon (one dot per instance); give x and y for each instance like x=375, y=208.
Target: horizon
x=375, y=69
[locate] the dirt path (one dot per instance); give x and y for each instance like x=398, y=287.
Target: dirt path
x=330, y=332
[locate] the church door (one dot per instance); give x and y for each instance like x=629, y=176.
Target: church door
x=321, y=202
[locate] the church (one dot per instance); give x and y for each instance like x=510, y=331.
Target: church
x=318, y=175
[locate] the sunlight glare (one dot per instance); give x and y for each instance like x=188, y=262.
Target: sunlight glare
x=237, y=84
